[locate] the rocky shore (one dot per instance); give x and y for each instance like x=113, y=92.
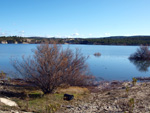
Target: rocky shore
x=108, y=97
x=115, y=97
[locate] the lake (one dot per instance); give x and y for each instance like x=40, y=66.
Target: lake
x=113, y=64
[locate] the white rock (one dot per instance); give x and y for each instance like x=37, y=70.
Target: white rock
x=8, y=102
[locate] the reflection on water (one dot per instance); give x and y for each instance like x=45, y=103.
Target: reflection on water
x=141, y=65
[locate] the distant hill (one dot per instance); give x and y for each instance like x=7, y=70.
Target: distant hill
x=113, y=40
x=129, y=37
x=121, y=40
x=39, y=37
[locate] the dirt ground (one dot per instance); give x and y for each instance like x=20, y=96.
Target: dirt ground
x=107, y=97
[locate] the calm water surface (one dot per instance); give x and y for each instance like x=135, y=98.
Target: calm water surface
x=113, y=64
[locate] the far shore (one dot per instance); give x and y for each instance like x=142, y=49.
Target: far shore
x=112, y=40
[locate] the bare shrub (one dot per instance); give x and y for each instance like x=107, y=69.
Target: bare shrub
x=51, y=66
x=143, y=53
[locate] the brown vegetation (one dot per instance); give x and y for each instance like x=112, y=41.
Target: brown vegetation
x=51, y=66
x=73, y=90
x=143, y=53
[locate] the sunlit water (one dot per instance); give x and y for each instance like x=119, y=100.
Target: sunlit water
x=113, y=64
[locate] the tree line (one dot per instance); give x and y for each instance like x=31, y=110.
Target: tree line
x=11, y=39
x=29, y=40
x=116, y=40
x=132, y=40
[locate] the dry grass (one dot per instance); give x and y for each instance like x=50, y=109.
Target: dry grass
x=40, y=104
x=33, y=100
x=50, y=102
x=73, y=90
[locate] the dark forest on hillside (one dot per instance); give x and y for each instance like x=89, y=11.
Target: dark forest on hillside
x=115, y=40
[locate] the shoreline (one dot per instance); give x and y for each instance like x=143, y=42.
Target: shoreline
x=73, y=44
x=113, y=96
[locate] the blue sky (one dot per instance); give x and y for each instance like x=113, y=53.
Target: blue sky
x=74, y=18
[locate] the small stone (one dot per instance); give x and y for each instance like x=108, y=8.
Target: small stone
x=68, y=106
